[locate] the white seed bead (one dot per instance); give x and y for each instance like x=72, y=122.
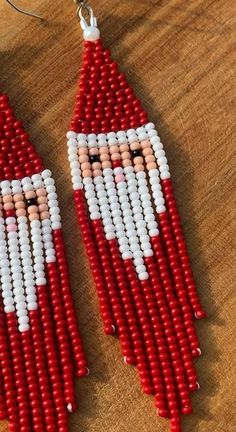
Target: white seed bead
x=91, y=33
x=24, y=327
x=32, y=306
x=154, y=232
x=23, y=320
x=149, y=126
x=152, y=133
x=126, y=255
x=30, y=290
x=143, y=276
x=161, y=209
x=8, y=301
x=165, y=175
x=164, y=168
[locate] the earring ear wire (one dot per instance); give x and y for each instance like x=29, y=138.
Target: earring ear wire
x=31, y=14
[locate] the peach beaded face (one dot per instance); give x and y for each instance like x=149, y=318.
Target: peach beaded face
x=33, y=204
x=94, y=160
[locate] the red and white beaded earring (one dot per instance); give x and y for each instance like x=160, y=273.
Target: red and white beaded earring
x=131, y=229
x=40, y=345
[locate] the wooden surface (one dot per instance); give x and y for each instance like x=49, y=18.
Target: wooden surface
x=180, y=57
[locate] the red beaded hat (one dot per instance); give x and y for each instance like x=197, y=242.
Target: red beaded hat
x=105, y=102
x=18, y=157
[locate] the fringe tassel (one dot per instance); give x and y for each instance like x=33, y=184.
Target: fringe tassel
x=8, y=378
x=119, y=195
x=95, y=263
x=182, y=248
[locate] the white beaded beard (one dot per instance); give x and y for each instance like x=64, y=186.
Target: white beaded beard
x=127, y=208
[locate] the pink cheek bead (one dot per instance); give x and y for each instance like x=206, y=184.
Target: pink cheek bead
x=119, y=178
x=11, y=228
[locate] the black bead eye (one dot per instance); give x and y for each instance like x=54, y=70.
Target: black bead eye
x=94, y=158
x=31, y=202
x=135, y=153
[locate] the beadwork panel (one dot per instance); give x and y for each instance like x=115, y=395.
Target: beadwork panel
x=185, y=53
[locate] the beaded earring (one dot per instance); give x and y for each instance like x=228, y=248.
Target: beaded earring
x=131, y=230
x=40, y=345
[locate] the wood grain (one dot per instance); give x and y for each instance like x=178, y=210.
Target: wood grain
x=180, y=57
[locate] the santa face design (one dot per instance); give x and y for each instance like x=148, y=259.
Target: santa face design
x=121, y=180
x=28, y=213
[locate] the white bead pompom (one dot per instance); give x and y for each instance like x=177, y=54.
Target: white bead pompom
x=91, y=34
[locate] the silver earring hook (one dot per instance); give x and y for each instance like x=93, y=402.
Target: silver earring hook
x=23, y=11
x=84, y=8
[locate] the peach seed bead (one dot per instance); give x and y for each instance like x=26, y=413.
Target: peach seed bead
x=106, y=164
x=33, y=216
x=83, y=151
x=96, y=165
x=97, y=173
x=83, y=159
x=42, y=200
x=114, y=149
x=18, y=197
x=126, y=163
x=20, y=212
x=147, y=152
x=7, y=198
x=8, y=206
x=19, y=205
x=145, y=144
x=103, y=150
x=151, y=166
x=44, y=215
x=115, y=156
x=93, y=151
x=41, y=192
x=150, y=159
x=138, y=160
x=30, y=194
x=32, y=209
x=138, y=168
x=124, y=148
x=104, y=157
x=42, y=208
x=126, y=155
x=87, y=173
x=85, y=166
x=135, y=146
